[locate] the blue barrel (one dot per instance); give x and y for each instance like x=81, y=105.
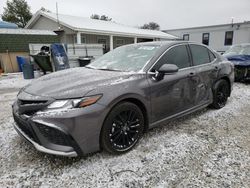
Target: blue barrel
x=20, y=61
x=28, y=71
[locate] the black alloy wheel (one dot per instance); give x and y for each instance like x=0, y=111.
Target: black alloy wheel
x=220, y=94
x=123, y=128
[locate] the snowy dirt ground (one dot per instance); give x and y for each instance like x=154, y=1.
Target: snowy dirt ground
x=210, y=148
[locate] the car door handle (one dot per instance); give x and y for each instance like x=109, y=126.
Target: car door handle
x=191, y=74
x=201, y=86
x=216, y=68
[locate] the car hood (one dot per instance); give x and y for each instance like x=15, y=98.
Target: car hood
x=73, y=83
x=239, y=60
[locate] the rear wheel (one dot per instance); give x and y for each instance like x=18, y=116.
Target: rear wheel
x=122, y=128
x=220, y=94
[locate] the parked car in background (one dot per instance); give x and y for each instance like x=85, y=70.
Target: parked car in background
x=239, y=55
x=110, y=103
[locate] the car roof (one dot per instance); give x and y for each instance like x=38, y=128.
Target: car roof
x=166, y=44
x=162, y=43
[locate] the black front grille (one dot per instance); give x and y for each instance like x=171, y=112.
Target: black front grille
x=30, y=102
x=25, y=127
x=30, y=107
x=241, y=73
x=55, y=136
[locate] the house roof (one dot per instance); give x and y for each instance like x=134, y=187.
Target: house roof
x=209, y=26
x=26, y=32
x=82, y=24
x=4, y=24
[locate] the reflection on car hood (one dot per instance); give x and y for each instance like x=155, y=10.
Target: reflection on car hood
x=73, y=83
x=239, y=60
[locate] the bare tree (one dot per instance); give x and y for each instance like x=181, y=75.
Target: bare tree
x=102, y=17
x=95, y=16
x=151, y=26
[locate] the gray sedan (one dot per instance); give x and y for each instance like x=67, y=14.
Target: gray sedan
x=110, y=103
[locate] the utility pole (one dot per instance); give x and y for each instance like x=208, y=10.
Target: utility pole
x=57, y=17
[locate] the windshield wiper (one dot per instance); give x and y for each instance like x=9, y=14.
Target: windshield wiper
x=106, y=69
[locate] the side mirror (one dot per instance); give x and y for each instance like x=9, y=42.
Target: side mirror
x=165, y=69
x=168, y=69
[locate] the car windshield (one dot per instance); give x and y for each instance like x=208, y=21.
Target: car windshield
x=239, y=50
x=129, y=58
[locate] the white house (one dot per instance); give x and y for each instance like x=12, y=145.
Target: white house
x=218, y=37
x=78, y=30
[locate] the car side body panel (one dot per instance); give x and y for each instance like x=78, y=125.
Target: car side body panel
x=170, y=95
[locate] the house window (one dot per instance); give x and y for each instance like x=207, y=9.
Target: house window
x=205, y=38
x=229, y=38
x=119, y=42
x=186, y=37
x=83, y=39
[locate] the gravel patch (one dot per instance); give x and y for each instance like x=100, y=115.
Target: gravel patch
x=209, y=148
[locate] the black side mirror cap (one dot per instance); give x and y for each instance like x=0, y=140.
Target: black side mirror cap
x=165, y=69
x=168, y=69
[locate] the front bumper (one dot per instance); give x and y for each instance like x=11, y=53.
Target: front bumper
x=43, y=149
x=72, y=133
x=242, y=73
x=29, y=130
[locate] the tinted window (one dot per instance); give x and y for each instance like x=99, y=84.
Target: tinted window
x=177, y=55
x=200, y=54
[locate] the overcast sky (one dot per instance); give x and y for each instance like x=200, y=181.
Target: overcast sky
x=167, y=13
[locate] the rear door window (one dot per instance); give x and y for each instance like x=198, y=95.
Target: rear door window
x=200, y=54
x=177, y=55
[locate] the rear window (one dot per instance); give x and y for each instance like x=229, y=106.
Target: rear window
x=200, y=54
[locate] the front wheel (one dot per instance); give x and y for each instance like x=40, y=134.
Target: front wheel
x=122, y=128
x=221, y=93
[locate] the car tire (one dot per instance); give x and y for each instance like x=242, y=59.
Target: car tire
x=221, y=92
x=122, y=128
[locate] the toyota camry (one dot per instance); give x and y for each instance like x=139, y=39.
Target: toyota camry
x=110, y=103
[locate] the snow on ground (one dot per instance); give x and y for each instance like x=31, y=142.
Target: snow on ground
x=209, y=148
x=15, y=81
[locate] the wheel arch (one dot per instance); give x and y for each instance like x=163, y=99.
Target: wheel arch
x=228, y=81
x=133, y=100
x=142, y=107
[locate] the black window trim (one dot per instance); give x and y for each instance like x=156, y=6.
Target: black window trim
x=203, y=34
x=192, y=62
x=226, y=38
x=215, y=57
x=169, y=48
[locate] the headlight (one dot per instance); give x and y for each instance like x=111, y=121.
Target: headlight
x=58, y=104
x=75, y=103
